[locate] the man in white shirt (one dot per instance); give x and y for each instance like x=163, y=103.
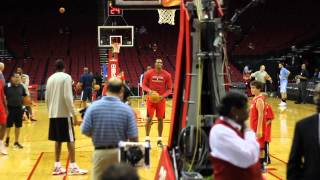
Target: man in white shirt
x=234, y=148
x=20, y=71
x=62, y=117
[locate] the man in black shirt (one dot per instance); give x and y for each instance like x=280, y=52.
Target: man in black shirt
x=302, y=86
x=14, y=93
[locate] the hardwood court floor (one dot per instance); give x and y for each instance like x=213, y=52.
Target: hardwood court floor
x=36, y=160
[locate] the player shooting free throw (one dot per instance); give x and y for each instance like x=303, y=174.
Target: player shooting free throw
x=157, y=82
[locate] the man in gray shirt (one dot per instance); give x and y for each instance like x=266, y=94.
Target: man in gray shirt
x=109, y=121
x=262, y=76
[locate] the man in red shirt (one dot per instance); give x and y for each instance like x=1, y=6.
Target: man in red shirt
x=3, y=118
x=257, y=117
x=157, y=80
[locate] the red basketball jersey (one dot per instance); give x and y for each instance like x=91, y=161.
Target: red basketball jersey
x=254, y=119
x=157, y=81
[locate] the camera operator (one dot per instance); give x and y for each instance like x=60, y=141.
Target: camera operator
x=109, y=121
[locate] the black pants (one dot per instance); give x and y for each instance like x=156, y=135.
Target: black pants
x=302, y=88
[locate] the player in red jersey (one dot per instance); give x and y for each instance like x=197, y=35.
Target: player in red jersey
x=257, y=117
x=157, y=80
x=3, y=118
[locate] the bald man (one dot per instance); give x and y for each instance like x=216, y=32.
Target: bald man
x=108, y=121
x=262, y=76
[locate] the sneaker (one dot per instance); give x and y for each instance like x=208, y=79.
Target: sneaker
x=268, y=160
x=77, y=171
x=159, y=143
x=282, y=103
x=33, y=119
x=3, y=149
x=58, y=171
x=18, y=145
x=6, y=143
x=263, y=168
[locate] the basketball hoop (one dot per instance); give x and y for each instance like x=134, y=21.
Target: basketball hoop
x=166, y=16
x=115, y=48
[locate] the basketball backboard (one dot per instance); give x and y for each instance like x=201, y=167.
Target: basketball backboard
x=124, y=35
x=146, y=4
x=137, y=3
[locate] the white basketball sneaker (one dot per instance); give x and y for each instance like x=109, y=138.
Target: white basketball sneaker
x=3, y=149
x=58, y=171
x=283, y=104
x=77, y=171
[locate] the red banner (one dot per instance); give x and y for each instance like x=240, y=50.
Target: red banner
x=165, y=169
x=113, y=68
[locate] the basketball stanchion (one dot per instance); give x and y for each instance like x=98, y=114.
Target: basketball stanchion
x=33, y=89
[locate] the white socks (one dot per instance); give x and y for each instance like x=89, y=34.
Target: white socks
x=159, y=138
x=57, y=164
x=73, y=165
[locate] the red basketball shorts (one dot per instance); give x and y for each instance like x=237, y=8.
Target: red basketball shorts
x=159, y=108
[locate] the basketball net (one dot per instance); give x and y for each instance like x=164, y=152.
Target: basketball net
x=166, y=16
x=115, y=48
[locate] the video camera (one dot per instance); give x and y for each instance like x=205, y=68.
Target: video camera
x=134, y=153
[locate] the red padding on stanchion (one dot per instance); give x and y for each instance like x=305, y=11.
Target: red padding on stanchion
x=176, y=98
x=33, y=89
x=188, y=71
x=219, y=8
x=165, y=169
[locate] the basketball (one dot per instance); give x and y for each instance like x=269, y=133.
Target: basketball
x=62, y=10
x=267, y=77
x=78, y=86
x=27, y=101
x=96, y=87
x=154, y=97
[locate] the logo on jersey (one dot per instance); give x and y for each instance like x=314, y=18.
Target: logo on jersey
x=157, y=79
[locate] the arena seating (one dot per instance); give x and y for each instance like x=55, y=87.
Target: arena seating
x=37, y=41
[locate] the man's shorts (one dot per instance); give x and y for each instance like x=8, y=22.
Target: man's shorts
x=14, y=117
x=86, y=94
x=159, y=108
x=61, y=130
x=283, y=86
